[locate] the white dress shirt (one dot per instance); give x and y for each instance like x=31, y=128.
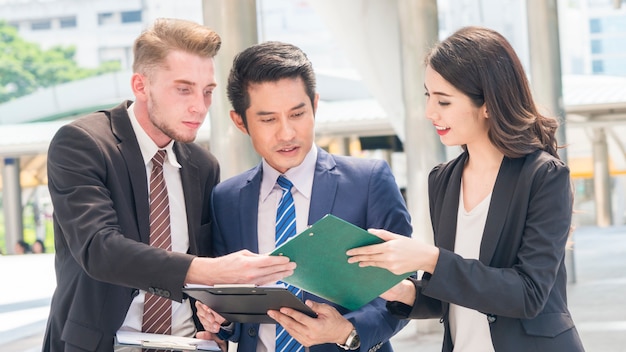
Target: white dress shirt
x=269, y=196
x=182, y=321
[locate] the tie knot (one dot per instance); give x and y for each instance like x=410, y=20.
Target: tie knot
x=284, y=183
x=159, y=157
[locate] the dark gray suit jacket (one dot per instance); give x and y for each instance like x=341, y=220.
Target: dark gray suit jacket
x=519, y=281
x=360, y=191
x=98, y=184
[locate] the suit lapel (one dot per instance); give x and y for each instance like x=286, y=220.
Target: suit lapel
x=190, y=178
x=450, y=207
x=129, y=149
x=501, y=198
x=324, y=186
x=249, y=210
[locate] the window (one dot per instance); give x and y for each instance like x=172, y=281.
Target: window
x=609, y=46
x=596, y=46
x=105, y=18
x=597, y=67
x=67, y=22
x=614, y=66
x=131, y=16
x=595, y=25
x=613, y=24
x=40, y=25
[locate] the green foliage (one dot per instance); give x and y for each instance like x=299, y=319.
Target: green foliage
x=25, y=67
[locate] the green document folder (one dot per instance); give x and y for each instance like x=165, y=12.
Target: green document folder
x=323, y=268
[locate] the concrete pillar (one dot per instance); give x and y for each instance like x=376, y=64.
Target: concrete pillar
x=419, y=29
x=12, y=203
x=545, y=74
x=601, y=178
x=236, y=22
x=545, y=61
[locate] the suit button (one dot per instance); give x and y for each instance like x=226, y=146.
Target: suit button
x=491, y=318
x=152, y=290
x=252, y=332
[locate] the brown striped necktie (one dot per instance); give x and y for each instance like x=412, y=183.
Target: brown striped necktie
x=157, y=310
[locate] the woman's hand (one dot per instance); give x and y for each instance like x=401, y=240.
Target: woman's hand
x=398, y=254
x=402, y=292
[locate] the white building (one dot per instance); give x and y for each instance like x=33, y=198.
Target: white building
x=101, y=30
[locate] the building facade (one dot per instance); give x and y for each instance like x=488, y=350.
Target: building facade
x=100, y=30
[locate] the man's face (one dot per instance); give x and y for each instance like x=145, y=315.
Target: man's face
x=281, y=122
x=177, y=97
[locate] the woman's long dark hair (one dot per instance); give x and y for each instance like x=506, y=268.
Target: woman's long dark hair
x=482, y=64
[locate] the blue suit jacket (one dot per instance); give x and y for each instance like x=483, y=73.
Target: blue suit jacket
x=359, y=191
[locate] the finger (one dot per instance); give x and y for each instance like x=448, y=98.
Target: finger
x=363, y=258
x=319, y=308
x=272, y=260
x=371, y=262
x=201, y=306
x=280, y=318
x=271, y=279
x=384, y=234
x=223, y=345
x=367, y=263
x=367, y=250
x=279, y=269
x=215, y=316
x=204, y=335
x=295, y=315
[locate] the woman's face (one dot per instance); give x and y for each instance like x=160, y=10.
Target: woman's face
x=455, y=117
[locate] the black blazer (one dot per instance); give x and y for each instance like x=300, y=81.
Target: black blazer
x=98, y=184
x=519, y=281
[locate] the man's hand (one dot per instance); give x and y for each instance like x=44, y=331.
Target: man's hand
x=209, y=318
x=242, y=267
x=328, y=327
x=206, y=335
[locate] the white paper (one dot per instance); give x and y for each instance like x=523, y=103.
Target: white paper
x=165, y=341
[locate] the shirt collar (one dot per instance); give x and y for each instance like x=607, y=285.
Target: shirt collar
x=146, y=144
x=301, y=176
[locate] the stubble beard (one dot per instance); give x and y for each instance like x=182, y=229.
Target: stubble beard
x=159, y=122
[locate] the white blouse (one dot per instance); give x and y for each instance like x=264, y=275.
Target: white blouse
x=469, y=328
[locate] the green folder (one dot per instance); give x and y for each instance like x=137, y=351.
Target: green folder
x=323, y=268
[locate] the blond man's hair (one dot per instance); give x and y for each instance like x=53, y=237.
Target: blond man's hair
x=170, y=34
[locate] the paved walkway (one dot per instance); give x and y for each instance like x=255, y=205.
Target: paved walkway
x=597, y=299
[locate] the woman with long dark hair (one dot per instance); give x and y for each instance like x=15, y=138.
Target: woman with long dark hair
x=501, y=211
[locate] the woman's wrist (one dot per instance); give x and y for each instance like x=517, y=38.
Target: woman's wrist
x=433, y=259
x=408, y=292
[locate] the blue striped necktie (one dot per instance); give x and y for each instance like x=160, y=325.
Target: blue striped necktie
x=286, y=228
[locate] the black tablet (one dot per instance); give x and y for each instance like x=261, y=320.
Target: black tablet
x=247, y=304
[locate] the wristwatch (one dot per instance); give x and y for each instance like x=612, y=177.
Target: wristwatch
x=353, y=342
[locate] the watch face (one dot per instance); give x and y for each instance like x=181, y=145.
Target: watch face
x=356, y=342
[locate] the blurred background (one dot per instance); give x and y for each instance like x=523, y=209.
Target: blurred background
x=63, y=58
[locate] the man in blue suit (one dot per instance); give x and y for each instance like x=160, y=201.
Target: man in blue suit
x=272, y=90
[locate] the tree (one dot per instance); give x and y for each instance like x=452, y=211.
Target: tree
x=25, y=67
